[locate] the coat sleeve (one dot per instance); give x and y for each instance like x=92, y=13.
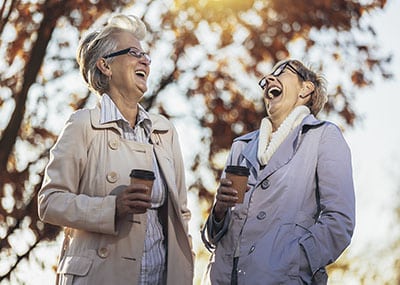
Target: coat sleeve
x=59, y=200
x=333, y=230
x=213, y=231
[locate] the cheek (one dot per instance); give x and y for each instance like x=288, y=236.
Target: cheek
x=290, y=96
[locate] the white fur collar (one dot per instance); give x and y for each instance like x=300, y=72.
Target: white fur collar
x=270, y=141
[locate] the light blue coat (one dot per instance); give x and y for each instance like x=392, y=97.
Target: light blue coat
x=298, y=216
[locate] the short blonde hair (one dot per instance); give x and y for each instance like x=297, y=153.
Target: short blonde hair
x=99, y=43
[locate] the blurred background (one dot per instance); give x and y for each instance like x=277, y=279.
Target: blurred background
x=207, y=57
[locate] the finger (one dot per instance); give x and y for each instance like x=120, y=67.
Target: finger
x=138, y=205
x=137, y=188
x=131, y=197
x=225, y=205
x=227, y=199
x=227, y=191
x=226, y=182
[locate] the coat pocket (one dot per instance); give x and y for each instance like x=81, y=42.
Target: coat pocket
x=71, y=266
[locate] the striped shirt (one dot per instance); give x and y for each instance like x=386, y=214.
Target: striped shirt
x=154, y=254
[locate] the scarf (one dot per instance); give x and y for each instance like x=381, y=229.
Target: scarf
x=270, y=141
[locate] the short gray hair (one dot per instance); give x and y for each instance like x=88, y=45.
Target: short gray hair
x=99, y=43
x=319, y=96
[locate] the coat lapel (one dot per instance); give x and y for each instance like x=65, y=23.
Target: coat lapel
x=289, y=146
x=283, y=154
x=95, y=121
x=161, y=155
x=164, y=160
x=281, y=157
x=165, y=164
x=250, y=150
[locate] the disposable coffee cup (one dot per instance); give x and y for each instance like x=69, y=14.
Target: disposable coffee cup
x=141, y=176
x=239, y=176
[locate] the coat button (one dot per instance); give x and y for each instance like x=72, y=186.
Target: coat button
x=252, y=248
x=112, y=177
x=241, y=272
x=265, y=184
x=113, y=144
x=261, y=215
x=103, y=252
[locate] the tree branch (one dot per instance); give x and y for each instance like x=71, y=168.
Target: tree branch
x=4, y=19
x=10, y=134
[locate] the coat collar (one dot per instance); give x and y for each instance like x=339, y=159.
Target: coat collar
x=159, y=123
x=285, y=151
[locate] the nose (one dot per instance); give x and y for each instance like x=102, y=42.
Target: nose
x=145, y=62
x=267, y=80
x=145, y=59
x=270, y=78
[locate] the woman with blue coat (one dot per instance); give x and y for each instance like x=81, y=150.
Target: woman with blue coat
x=298, y=214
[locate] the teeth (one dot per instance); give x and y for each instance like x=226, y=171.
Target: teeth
x=274, y=92
x=141, y=73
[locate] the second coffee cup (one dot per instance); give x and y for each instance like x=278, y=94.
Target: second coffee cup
x=142, y=176
x=239, y=176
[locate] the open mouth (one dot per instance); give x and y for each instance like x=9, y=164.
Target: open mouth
x=274, y=92
x=140, y=73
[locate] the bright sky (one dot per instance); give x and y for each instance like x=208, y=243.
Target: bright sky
x=375, y=140
x=375, y=148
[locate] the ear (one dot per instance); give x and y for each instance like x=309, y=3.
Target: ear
x=306, y=90
x=103, y=66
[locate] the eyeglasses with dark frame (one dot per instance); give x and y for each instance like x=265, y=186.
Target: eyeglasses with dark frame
x=131, y=51
x=278, y=71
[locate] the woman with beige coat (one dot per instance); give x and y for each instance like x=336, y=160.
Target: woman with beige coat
x=116, y=233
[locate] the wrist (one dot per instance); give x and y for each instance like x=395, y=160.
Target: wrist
x=219, y=212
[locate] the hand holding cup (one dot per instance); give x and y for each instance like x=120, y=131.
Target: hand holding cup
x=136, y=198
x=231, y=190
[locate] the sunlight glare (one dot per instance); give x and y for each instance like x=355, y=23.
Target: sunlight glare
x=236, y=5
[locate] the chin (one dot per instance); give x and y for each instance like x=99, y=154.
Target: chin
x=142, y=91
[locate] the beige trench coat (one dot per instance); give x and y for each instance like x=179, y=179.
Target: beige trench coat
x=87, y=165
